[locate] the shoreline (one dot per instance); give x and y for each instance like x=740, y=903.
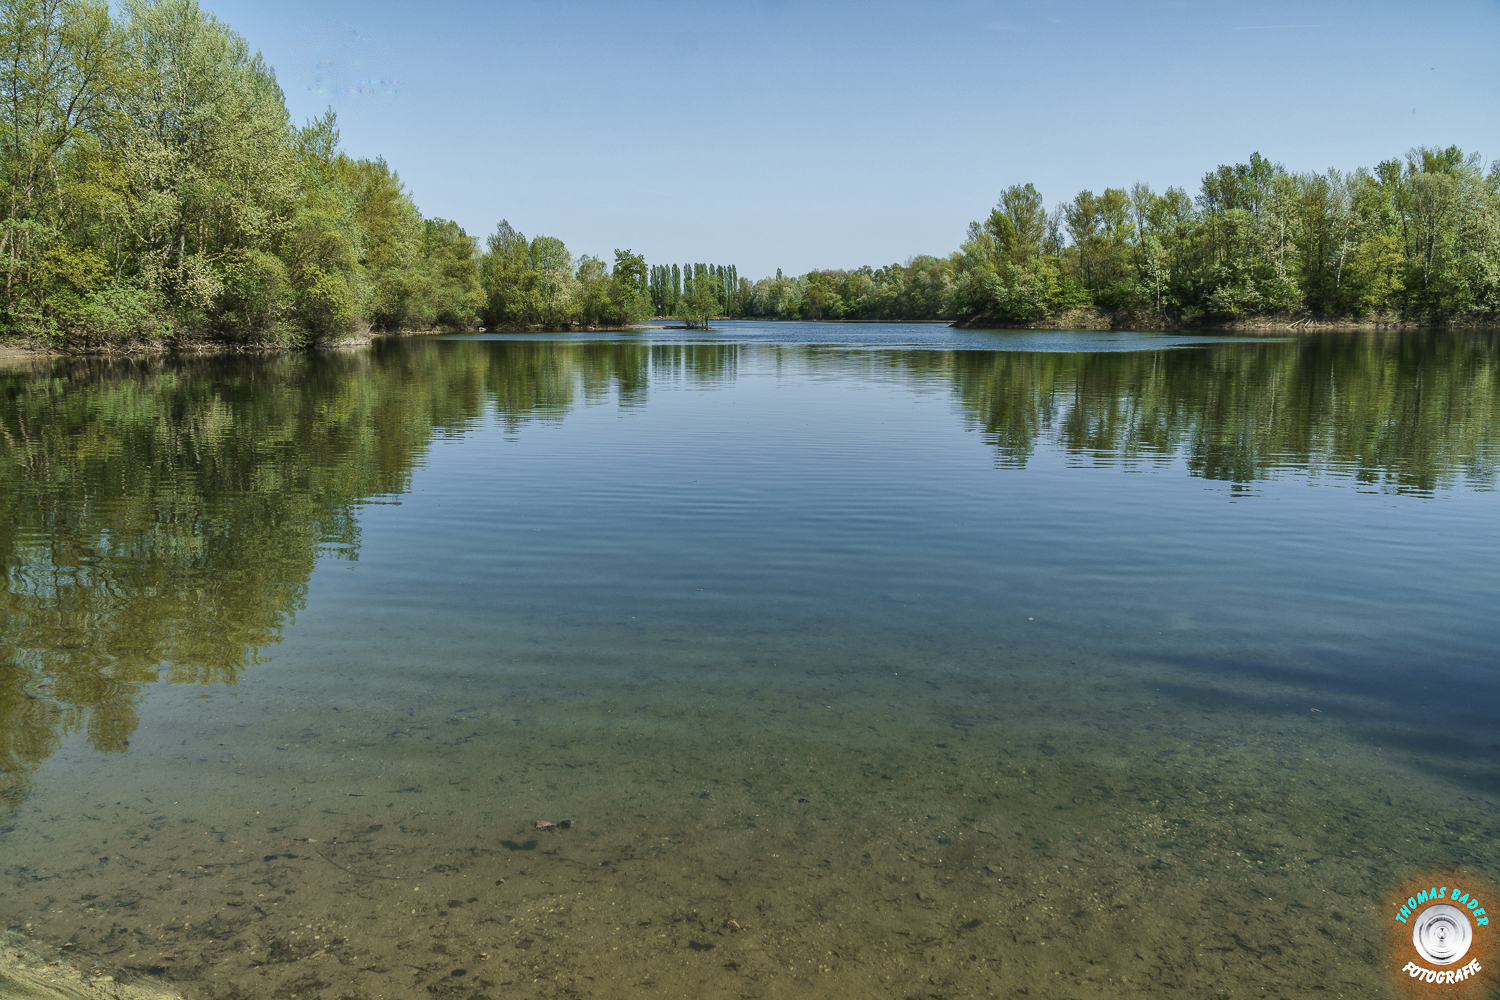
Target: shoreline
x=23, y=351
x=20, y=350
x=1094, y=319
x=26, y=973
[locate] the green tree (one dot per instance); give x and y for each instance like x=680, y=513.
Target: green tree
x=61, y=63
x=205, y=148
x=699, y=304
x=1004, y=273
x=510, y=286
x=629, y=296
x=550, y=260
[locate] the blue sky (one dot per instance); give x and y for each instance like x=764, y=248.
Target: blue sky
x=800, y=134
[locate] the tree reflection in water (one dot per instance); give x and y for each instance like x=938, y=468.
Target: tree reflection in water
x=162, y=518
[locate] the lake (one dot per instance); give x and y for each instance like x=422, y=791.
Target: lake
x=842, y=660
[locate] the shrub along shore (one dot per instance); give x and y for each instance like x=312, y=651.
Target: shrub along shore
x=158, y=197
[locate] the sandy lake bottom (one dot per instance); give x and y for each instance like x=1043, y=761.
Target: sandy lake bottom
x=886, y=844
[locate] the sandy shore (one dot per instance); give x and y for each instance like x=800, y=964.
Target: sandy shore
x=30, y=970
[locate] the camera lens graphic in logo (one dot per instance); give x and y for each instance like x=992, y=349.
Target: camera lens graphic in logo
x=1442, y=934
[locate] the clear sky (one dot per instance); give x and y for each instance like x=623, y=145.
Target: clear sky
x=801, y=134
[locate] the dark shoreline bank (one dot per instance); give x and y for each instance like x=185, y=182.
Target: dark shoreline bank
x=1095, y=319
x=22, y=349
x=1080, y=320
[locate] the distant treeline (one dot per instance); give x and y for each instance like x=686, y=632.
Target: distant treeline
x=922, y=288
x=695, y=292
x=1416, y=238
x=156, y=190
x=537, y=283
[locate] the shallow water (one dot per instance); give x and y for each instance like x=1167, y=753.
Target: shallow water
x=940, y=663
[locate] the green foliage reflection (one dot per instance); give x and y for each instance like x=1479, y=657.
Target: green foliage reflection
x=1410, y=413
x=160, y=520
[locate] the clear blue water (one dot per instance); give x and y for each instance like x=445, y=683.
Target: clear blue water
x=862, y=335
x=963, y=662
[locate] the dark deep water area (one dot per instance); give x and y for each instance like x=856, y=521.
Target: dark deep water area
x=865, y=660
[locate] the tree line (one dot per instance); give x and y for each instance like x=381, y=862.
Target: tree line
x=695, y=292
x=920, y=289
x=1416, y=239
x=155, y=189
x=538, y=283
